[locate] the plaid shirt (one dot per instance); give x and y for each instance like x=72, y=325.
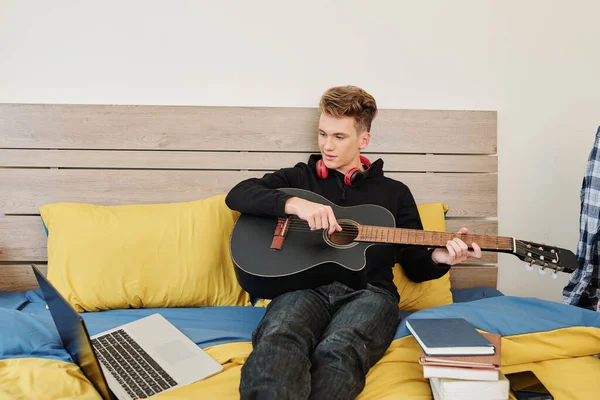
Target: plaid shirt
x=584, y=286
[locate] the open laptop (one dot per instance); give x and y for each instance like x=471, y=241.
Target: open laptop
x=135, y=360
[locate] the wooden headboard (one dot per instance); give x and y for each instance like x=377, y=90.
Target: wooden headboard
x=114, y=154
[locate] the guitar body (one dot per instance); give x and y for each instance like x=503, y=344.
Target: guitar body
x=307, y=259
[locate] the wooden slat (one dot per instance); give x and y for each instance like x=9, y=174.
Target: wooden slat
x=487, y=257
x=19, y=277
x=476, y=226
x=468, y=195
x=23, y=191
x=22, y=238
x=234, y=128
x=462, y=277
x=230, y=160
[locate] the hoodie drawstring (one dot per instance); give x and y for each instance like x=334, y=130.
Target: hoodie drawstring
x=342, y=188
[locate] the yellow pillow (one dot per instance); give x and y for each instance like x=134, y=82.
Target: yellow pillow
x=146, y=255
x=418, y=296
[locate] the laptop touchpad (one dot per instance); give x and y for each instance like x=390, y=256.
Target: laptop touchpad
x=174, y=352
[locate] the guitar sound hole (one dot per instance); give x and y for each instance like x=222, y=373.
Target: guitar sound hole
x=345, y=238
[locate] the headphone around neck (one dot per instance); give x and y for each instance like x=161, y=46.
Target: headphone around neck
x=352, y=175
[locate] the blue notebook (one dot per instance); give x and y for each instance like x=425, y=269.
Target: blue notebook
x=449, y=337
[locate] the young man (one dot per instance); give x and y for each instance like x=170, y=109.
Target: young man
x=321, y=342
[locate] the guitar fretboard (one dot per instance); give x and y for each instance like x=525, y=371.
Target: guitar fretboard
x=378, y=234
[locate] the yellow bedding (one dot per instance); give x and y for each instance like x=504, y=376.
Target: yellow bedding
x=42, y=378
x=563, y=359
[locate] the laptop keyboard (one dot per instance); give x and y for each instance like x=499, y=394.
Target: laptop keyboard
x=130, y=365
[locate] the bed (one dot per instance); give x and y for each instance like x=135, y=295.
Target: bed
x=115, y=155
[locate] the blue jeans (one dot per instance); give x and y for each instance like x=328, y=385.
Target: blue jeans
x=319, y=344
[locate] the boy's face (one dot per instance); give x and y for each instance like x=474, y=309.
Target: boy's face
x=339, y=142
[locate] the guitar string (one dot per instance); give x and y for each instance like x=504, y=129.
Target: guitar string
x=302, y=226
x=299, y=225
x=502, y=244
x=355, y=233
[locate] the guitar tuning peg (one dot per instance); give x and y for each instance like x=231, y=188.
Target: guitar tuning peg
x=554, y=275
x=528, y=267
x=542, y=271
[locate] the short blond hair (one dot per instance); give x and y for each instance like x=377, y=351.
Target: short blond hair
x=350, y=101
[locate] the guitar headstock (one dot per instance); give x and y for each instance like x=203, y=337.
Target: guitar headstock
x=546, y=256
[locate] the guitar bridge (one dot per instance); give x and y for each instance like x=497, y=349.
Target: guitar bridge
x=280, y=232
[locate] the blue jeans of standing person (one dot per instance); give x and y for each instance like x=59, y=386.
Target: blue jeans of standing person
x=319, y=344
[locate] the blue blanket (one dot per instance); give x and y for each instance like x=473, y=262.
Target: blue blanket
x=28, y=329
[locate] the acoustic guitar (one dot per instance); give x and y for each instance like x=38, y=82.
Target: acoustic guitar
x=276, y=255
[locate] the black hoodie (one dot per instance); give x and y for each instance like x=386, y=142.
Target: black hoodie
x=259, y=196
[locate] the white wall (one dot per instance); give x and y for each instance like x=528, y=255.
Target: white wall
x=535, y=64
x=548, y=101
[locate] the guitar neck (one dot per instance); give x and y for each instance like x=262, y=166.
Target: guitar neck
x=377, y=234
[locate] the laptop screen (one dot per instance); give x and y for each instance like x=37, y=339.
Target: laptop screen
x=73, y=334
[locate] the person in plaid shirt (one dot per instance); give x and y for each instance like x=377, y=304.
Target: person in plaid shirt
x=584, y=286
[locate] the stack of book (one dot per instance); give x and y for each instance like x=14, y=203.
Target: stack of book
x=460, y=362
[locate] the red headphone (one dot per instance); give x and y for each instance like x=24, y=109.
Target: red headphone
x=349, y=177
